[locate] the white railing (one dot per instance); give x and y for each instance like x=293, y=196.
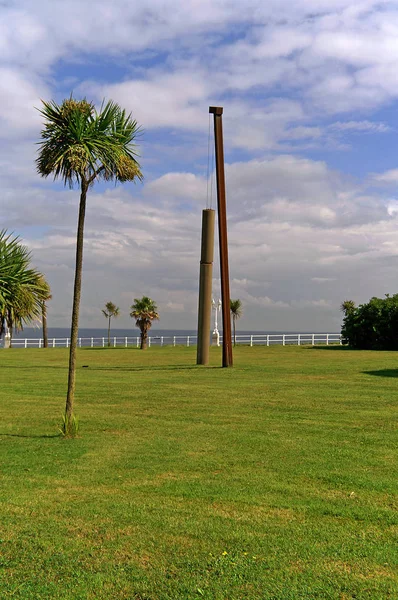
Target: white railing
x=284, y=339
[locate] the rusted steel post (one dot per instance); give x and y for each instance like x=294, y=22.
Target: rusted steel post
x=227, y=360
x=205, y=282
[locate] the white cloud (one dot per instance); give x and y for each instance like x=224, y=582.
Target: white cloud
x=390, y=176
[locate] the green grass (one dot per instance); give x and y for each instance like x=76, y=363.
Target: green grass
x=276, y=479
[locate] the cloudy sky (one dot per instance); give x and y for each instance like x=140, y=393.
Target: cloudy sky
x=310, y=96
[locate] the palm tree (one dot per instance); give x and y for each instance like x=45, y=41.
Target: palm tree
x=44, y=316
x=347, y=307
x=144, y=311
x=111, y=310
x=81, y=145
x=22, y=288
x=236, y=313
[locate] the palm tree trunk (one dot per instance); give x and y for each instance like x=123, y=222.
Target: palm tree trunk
x=109, y=332
x=76, y=305
x=144, y=337
x=44, y=324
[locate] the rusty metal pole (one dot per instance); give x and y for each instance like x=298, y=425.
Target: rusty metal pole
x=227, y=360
x=205, y=283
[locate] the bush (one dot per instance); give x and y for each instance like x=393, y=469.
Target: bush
x=371, y=326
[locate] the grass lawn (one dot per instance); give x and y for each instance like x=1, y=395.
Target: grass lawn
x=276, y=479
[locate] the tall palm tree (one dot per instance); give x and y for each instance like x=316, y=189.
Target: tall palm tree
x=144, y=311
x=81, y=145
x=111, y=310
x=22, y=288
x=236, y=313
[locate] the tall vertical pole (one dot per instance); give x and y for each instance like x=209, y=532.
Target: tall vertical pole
x=205, y=283
x=227, y=360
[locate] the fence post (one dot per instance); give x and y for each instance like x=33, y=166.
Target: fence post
x=174, y=340
x=283, y=340
x=327, y=339
x=341, y=340
x=114, y=342
x=53, y=342
x=125, y=342
x=39, y=342
x=149, y=342
x=161, y=340
x=251, y=341
x=138, y=343
x=268, y=340
x=67, y=342
x=80, y=342
x=26, y=343
x=298, y=339
x=92, y=342
x=313, y=339
x=187, y=341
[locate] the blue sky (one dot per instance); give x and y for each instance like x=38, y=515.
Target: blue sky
x=309, y=90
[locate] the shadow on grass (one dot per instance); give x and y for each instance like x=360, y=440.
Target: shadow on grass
x=121, y=368
x=22, y=435
x=330, y=347
x=383, y=373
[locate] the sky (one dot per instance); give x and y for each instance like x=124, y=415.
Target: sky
x=310, y=96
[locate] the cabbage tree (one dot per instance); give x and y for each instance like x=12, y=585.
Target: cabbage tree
x=80, y=146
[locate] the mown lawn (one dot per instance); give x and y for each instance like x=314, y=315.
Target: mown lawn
x=276, y=479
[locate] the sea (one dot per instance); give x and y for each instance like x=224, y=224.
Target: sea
x=64, y=332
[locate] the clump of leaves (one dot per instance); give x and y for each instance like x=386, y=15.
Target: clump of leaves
x=69, y=426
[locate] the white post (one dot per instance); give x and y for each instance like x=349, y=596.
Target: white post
x=80, y=342
x=188, y=341
x=114, y=342
x=174, y=340
x=26, y=343
x=92, y=342
x=53, y=342
x=67, y=342
x=161, y=340
x=268, y=340
x=327, y=339
x=103, y=342
x=313, y=339
x=125, y=342
x=251, y=340
x=283, y=339
x=298, y=340
x=149, y=342
x=341, y=341
x=39, y=342
x=138, y=341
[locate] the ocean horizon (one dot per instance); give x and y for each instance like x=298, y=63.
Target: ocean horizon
x=92, y=332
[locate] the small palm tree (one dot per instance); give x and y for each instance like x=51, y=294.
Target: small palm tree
x=144, y=311
x=347, y=307
x=22, y=288
x=111, y=310
x=236, y=313
x=81, y=145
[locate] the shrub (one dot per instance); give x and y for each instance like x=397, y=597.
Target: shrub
x=371, y=326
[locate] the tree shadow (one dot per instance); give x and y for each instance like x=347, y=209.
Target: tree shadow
x=383, y=373
x=32, y=436
x=118, y=368
x=335, y=347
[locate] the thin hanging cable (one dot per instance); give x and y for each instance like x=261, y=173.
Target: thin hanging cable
x=208, y=166
x=213, y=170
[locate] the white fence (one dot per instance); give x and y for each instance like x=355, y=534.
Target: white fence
x=284, y=339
